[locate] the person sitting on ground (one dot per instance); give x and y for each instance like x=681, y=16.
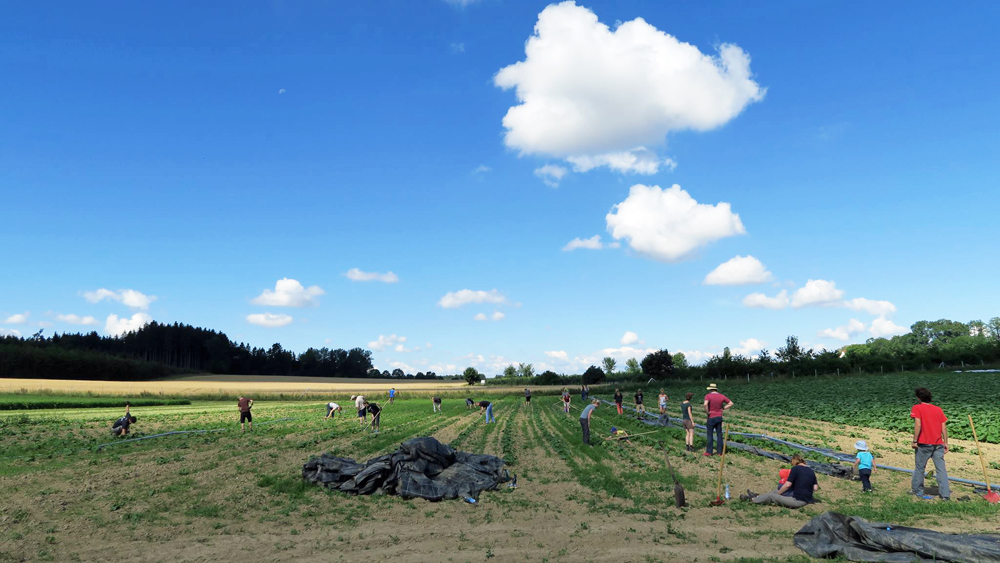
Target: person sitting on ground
x=488, y=408
x=436, y=402
x=618, y=400
x=687, y=419
x=638, y=403
x=469, y=403
x=332, y=408
x=359, y=404
x=795, y=493
x=244, y=404
x=122, y=425
x=376, y=412
x=864, y=464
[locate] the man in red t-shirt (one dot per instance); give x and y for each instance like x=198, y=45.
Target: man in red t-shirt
x=245, y=404
x=930, y=441
x=715, y=404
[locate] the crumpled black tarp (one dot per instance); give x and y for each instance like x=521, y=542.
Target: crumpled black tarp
x=832, y=535
x=420, y=468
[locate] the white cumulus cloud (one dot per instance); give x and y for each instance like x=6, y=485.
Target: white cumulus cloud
x=120, y=326
x=479, y=317
x=883, y=327
x=629, y=338
x=289, y=293
x=269, y=320
x=748, y=347
x=18, y=319
x=668, y=225
x=592, y=243
x=498, y=316
x=844, y=332
x=740, y=270
x=456, y=299
x=591, y=94
x=76, y=319
x=551, y=174
x=817, y=292
x=637, y=161
x=759, y=300
x=10, y=332
x=355, y=274
x=560, y=355
x=384, y=342
x=128, y=297
x=871, y=306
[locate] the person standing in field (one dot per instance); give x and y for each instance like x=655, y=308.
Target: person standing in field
x=527, y=397
x=585, y=420
x=662, y=402
x=359, y=404
x=332, y=408
x=376, y=415
x=392, y=395
x=486, y=406
x=566, y=400
x=436, y=402
x=687, y=419
x=864, y=464
x=930, y=442
x=715, y=404
x=244, y=404
x=618, y=400
x=639, y=408
x=584, y=392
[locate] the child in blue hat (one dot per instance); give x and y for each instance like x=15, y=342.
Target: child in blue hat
x=864, y=464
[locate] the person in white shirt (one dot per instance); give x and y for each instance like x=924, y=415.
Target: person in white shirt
x=332, y=408
x=359, y=403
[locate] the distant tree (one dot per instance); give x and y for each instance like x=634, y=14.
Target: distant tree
x=659, y=364
x=525, y=370
x=398, y=373
x=547, y=377
x=471, y=376
x=593, y=375
x=791, y=351
x=632, y=367
x=510, y=371
x=994, y=328
x=680, y=360
x=609, y=366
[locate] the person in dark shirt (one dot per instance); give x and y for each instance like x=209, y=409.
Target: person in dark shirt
x=797, y=490
x=639, y=408
x=436, y=403
x=618, y=400
x=469, y=403
x=376, y=412
x=488, y=408
x=122, y=425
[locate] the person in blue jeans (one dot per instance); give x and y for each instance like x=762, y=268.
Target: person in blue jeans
x=864, y=464
x=488, y=407
x=715, y=404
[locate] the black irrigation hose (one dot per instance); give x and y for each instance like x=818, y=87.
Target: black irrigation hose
x=841, y=457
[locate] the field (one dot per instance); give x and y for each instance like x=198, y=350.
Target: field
x=232, y=497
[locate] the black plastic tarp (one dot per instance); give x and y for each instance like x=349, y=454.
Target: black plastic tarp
x=855, y=539
x=420, y=468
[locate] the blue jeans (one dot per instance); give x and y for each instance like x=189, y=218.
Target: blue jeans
x=714, y=425
x=489, y=415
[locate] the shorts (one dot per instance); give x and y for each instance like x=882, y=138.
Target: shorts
x=688, y=424
x=663, y=405
x=245, y=417
x=527, y=399
x=361, y=413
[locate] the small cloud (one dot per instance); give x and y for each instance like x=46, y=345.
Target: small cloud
x=629, y=338
x=282, y=91
x=458, y=47
x=76, y=320
x=558, y=355
x=551, y=174
x=592, y=243
x=817, y=292
x=10, y=332
x=456, y=299
x=482, y=169
x=882, y=327
x=120, y=327
x=759, y=300
x=740, y=270
x=871, y=306
x=128, y=297
x=480, y=317
x=289, y=293
x=269, y=320
x=18, y=319
x=462, y=3
x=357, y=275
x=498, y=316
x=844, y=332
x=384, y=342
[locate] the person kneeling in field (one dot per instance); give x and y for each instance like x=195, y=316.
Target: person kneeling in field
x=619, y=436
x=121, y=426
x=332, y=408
x=797, y=490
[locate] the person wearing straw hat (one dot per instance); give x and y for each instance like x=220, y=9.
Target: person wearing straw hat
x=864, y=464
x=715, y=404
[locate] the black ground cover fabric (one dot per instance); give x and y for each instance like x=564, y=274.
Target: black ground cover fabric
x=855, y=539
x=420, y=468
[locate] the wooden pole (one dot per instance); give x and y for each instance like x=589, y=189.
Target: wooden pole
x=986, y=477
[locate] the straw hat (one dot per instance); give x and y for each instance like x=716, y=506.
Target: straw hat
x=861, y=446
x=712, y=387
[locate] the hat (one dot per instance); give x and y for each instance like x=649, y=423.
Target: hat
x=613, y=430
x=861, y=446
x=712, y=387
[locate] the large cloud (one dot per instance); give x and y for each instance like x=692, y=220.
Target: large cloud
x=120, y=326
x=817, y=292
x=128, y=297
x=289, y=293
x=591, y=94
x=354, y=274
x=456, y=299
x=668, y=225
x=269, y=320
x=740, y=270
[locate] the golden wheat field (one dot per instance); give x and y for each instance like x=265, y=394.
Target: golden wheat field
x=223, y=384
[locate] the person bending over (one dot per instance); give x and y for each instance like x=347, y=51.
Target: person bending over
x=436, y=402
x=244, y=404
x=376, y=412
x=332, y=408
x=122, y=425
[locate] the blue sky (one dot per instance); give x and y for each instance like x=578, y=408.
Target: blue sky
x=200, y=154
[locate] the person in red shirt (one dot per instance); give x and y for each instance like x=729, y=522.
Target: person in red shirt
x=715, y=404
x=244, y=404
x=930, y=441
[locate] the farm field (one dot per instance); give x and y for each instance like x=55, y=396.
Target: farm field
x=226, y=496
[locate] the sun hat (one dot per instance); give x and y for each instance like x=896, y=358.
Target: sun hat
x=712, y=387
x=613, y=430
x=861, y=446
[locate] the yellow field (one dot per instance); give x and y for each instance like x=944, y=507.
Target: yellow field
x=225, y=384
